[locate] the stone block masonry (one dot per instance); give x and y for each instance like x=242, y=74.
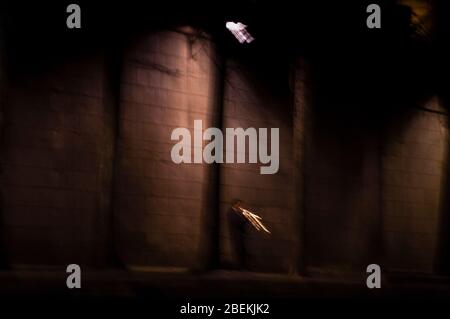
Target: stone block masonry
x=86, y=166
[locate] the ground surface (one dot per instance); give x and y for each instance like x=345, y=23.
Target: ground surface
x=161, y=294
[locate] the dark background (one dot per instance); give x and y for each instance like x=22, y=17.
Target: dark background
x=86, y=175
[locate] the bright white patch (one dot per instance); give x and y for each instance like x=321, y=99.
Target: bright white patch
x=239, y=31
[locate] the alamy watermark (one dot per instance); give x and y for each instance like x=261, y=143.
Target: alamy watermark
x=252, y=142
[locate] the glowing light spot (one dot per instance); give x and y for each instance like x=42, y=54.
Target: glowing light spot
x=239, y=30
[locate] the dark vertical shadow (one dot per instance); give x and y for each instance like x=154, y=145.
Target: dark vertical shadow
x=210, y=237
x=3, y=259
x=114, y=67
x=301, y=132
x=3, y=263
x=442, y=264
x=442, y=9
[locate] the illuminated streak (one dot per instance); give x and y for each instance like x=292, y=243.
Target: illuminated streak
x=254, y=219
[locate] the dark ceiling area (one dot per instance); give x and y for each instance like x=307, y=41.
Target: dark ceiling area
x=283, y=24
x=400, y=59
